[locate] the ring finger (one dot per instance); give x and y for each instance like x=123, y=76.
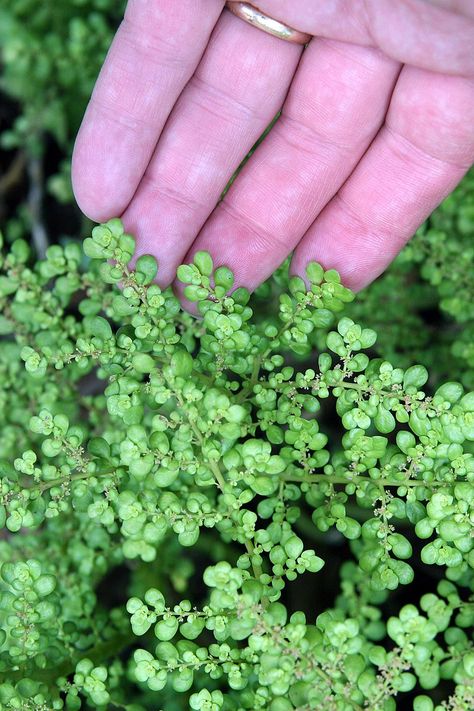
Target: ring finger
x=336, y=104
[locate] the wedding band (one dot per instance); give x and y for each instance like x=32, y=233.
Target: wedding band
x=253, y=16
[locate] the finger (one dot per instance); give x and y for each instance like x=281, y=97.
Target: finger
x=462, y=7
x=237, y=89
x=412, y=31
x=418, y=157
x=153, y=55
x=335, y=106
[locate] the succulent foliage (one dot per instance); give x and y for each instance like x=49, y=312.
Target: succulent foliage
x=210, y=459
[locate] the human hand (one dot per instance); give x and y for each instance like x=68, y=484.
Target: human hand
x=377, y=127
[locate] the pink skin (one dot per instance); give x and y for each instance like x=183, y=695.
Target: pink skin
x=377, y=127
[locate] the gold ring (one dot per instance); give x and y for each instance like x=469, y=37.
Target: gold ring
x=253, y=16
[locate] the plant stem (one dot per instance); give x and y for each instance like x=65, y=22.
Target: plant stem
x=221, y=483
x=35, y=205
x=360, y=479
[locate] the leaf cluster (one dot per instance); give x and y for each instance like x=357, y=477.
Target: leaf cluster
x=132, y=432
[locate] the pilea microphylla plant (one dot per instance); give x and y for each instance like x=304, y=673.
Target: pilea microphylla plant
x=171, y=489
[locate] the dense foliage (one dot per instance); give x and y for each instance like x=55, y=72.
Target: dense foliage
x=261, y=509
x=423, y=307
x=132, y=433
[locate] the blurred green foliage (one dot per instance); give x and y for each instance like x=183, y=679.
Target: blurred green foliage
x=50, y=53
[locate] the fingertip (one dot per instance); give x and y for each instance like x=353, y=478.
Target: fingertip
x=97, y=190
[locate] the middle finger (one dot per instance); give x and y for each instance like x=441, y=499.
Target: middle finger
x=235, y=92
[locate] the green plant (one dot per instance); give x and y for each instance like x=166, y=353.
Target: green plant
x=427, y=294
x=172, y=487
x=202, y=464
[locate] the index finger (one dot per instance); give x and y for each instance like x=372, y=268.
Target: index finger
x=153, y=55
